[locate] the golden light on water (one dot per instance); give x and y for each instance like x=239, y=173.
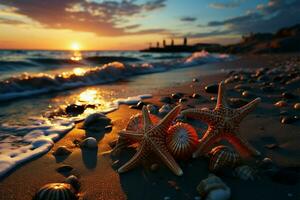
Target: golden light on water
x=89, y=96
x=79, y=71
x=76, y=56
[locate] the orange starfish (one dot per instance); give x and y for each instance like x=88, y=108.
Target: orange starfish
x=152, y=138
x=223, y=123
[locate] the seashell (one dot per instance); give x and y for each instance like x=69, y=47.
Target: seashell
x=96, y=121
x=245, y=173
x=182, y=140
x=90, y=143
x=223, y=157
x=213, y=188
x=135, y=123
x=56, y=191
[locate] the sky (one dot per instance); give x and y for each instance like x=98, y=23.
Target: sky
x=133, y=24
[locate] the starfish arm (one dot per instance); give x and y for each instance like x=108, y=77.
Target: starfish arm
x=165, y=123
x=210, y=137
x=221, y=102
x=162, y=152
x=131, y=135
x=205, y=115
x=246, y=109
x=242, y=145
x=134, y=161
x=146, y=117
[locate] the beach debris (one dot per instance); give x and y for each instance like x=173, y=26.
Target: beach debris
x=153, y=109
x=74, y=181
x=96, y=121
x=56, y=191
x=165, y=100
x=182, y=140
x=152, y=140
x=64, y=169
x=213, y=188
x=223, y=123
x=89, y=143
x=281, y=103
x=223, y=157
x=166, y=108
x=75, y=109
x=245, y=173
x=297, y=106
x=212, y=88
x=62, y=151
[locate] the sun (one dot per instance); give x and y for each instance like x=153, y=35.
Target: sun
x=75, y=46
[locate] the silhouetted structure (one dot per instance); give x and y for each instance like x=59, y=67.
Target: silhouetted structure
x=164, y=43
x=157, y=44
x=184, y=41
x=172, y=42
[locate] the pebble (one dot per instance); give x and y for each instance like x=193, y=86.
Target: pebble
x=212, y=88
x=153, y=109
x=247, y=94
x=297, y=106
x=182, y=100
x=74, y=181
x=177, y=95
x=62, y=151
x=154, y=167
x=74, y=109
x=288, y=95
x=195, y=80
x=165, y=99
x=108, y=128
x=138, y=106
x=64, y=169
x=196, y=96
x=213, y=98
x=96, y=121
x=90, y=143
x=288, y=119
x=280, y=103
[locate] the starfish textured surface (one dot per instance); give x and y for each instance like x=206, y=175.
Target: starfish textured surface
x=152, y=139
x=223, y=123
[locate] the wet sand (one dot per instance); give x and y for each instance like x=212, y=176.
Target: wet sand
x=96, y=169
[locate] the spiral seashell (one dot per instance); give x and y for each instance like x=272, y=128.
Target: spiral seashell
x=135, y=123
x=245, y=173
x=56, y=191
x=213, y=188
x=182, y=140
x=223, y=157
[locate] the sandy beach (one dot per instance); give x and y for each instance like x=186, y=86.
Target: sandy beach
x=97, y=168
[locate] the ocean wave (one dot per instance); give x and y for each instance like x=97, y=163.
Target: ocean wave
x=27, y=84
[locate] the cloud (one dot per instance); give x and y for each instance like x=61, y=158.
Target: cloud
x=267, y=17
x=210, y=33
x=10, y=21
x=102, y=18
x=231, y=4
x=188, y=19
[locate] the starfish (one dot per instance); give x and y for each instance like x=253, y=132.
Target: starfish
x=223, y=123
x=152, y=139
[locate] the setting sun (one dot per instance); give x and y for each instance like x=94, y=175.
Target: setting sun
x=75, y=46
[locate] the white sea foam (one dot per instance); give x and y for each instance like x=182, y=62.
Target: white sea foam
x=41, y=135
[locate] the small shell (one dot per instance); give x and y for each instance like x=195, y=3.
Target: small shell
x=135, y=123
x=245, y=173
x=223, y=157
x=213, y=188
x=56, y=191
x=182, y=140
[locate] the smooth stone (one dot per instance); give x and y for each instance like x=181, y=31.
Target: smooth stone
x=74, y=181
x=62, y=151
x=212, y=88
x=90, y=143
x=247, y=94
x=108, y=128
x=280, y=103
x=154, y=167
x=177, y=95
x=96, y=121
x=182, y=100
x=165, y=99
x=297, y=106
x=213, y=98
x=140, y=104
x=195, y=80
x=288, y=119
x=288, y=95
x=74, y=109
x=153, y=109
x=196, y=96
x=64, y=169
